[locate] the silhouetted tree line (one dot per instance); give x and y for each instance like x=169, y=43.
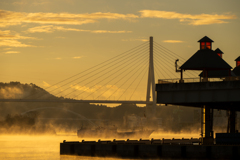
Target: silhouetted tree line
x=173, y=118
x=24, y=124
x=18, y=120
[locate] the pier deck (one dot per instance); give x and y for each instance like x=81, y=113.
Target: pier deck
x=165, y=148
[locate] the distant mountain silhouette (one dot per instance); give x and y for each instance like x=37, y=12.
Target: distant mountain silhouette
x=17, y=90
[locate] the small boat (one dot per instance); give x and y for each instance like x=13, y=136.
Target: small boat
x=101, y=132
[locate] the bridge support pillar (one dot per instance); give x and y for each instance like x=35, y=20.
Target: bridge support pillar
x=207, y=125
x=151, y=79
x=232, y=121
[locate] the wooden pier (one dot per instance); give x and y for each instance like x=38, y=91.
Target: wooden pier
x=155, y=148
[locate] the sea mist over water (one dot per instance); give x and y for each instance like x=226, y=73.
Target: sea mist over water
x=38, y=132
x=68, y=118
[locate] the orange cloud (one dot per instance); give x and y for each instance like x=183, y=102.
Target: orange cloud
x=105, y=31
x=200, y=19
x=16, y=18
x=8, y=39
x=52, y=28
x=77, y=57
x=13, y=43
x=4, y=32
x=11, y=52
x=8, y=18
x=104, y=90
x=136, y=39
x=173, y=41
x=6, y=49
x=7, y=35
x=32, y=2
x=47, y=85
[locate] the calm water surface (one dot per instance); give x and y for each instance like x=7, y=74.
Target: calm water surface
x=25, y=147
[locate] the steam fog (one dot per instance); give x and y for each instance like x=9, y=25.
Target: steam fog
x=36, y=129
x=56, y=118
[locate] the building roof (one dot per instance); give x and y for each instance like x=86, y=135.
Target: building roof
x=205, y=59
x=217, y=74
x=238, y=59
x=236, y=71
x=205, y=39
x=218, y=51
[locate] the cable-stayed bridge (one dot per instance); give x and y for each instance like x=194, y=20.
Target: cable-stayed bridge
x=120, y=79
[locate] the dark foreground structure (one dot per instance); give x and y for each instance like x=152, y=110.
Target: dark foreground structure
x=217, y=88
x=220, y=93
x=165, y=148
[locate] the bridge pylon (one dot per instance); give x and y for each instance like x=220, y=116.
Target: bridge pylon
x=151, y=81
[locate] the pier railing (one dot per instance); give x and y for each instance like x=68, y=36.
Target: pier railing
x=198, y=79
x=185, y=141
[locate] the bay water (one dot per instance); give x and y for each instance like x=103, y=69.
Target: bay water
x=47, y=147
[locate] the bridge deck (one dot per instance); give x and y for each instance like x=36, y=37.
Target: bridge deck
x=74, y=101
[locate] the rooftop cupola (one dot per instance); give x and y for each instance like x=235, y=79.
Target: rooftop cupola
x=237, y=61
x=205, y=43
x=219, y=52
x=206, y=60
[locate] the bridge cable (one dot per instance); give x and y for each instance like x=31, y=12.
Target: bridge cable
x=170, y=66
x=167, y=58
x=172, y=54
x=111, y=79
x=131, y=84
x=123, y=84
x=167, y=68
x=158, y=70
x=174, y=66
x=126, y=52
x=99, y=64
x=119, y=79
x=97, y=74
x=138, y=84
x=169, y=51
x=108, y=76
x=164, y=71
x=96, y=70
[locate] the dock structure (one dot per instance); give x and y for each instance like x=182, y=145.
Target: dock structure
x=206, y=94
x=155, y=148
x=218, y=88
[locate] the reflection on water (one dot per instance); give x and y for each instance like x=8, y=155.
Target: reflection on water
x=92, y=158
x=31, y=147
x=47, y=147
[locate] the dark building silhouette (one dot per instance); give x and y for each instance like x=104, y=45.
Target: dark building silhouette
x=218, y=73
x=206, y=94
x=236, y=70
x=208, y=61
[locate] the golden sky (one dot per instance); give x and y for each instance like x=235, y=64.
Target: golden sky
x=46, y=41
